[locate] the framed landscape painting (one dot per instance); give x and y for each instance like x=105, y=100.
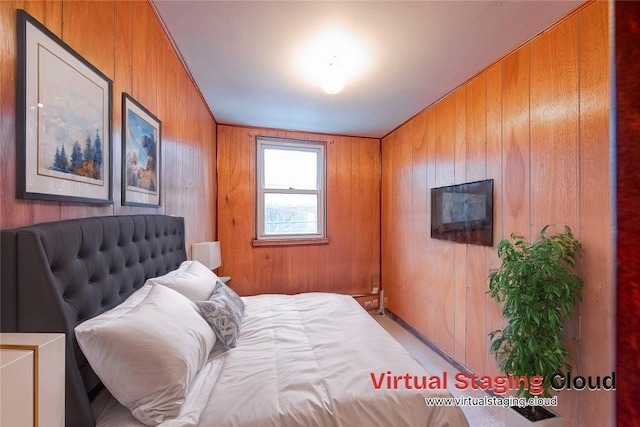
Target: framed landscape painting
x=141, y=147
x=63, y=120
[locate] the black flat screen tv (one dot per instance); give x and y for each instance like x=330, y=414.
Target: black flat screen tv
x=463, y=213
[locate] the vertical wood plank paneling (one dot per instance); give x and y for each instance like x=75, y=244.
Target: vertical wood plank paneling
x=366, y=169
x=172, y=120
x=432, y=244
x=236, y=217
x=597, y=266
x=189, y=148
x=198, y=136
x=515, y=133
x=230, y=196
x=525, y=131
x=403, y=219
x=48, y=13
x=399, y=295
x=87, y=26
x=460, y=135
x=279, y=269
x=144, y=45
x=554, y=154
x=389, y=241
x=495, y=171
x=387, y=265
x=445, y=273
x=183, y=148
x=420, y=225
x=208, y=177
x=343, y=197
x=476, y=169
x=372, y=179
x=554, y=127
x=104, y=33
x=476, y=124
x=122, y=83
x=387, y=229
x=566, y=117
x=145, y=25
x=460, y=254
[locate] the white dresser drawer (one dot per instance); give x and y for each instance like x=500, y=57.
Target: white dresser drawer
x=33, y=369
x=16, y=388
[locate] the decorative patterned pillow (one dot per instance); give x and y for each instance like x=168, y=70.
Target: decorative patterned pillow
x=224, y=293
x=224, y=312
x=221, y=320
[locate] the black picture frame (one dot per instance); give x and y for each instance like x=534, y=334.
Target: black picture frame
x=141, y=154
x=63, y=120
x=463, y=213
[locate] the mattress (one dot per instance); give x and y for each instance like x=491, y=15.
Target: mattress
x=311, y=359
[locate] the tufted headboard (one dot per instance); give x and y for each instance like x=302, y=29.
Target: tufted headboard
x=56, y=275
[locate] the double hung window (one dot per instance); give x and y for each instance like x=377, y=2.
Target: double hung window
x=290, y=189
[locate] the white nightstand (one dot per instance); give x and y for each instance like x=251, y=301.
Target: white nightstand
x=32, y=379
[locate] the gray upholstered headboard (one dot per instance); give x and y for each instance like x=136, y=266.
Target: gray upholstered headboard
x=58, y=274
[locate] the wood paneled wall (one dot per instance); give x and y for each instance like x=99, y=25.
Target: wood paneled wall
x=350, y=263
x=126, y=41
x=537, y=123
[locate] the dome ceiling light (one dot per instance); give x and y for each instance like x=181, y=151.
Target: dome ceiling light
x=331, y=58
x=332, y=78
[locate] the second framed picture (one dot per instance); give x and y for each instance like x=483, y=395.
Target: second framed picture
x=141, y=148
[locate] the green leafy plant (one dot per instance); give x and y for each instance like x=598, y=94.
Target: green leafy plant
x=539, y=287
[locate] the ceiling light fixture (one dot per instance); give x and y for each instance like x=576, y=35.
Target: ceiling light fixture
x=333, y=78
x=332, y=57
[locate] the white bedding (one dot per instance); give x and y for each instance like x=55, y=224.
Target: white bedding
x=302, y=360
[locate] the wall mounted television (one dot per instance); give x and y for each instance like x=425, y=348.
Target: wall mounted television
x=463, y=213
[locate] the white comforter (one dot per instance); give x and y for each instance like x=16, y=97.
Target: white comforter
x=303, y=360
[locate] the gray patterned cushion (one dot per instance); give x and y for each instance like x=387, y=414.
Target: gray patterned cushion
x=224, y=293
x=224, y=312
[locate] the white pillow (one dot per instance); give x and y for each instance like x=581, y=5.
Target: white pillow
x=135, y=298
x=148, y=356
x=185, y=264
x=195, y=282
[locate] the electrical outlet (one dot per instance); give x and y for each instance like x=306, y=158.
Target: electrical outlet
x=367, y=304
x=375, y=284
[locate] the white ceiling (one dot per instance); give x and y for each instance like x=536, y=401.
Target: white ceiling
x=245, y=55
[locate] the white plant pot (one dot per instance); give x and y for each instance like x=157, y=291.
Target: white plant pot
x=512, y=418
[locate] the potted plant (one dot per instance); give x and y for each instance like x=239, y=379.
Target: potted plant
x=539, y=287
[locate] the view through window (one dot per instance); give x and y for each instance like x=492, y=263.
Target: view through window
x=291, y=193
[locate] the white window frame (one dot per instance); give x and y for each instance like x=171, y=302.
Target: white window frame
x=263, y=143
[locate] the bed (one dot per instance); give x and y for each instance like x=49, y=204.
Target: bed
x=300, y=360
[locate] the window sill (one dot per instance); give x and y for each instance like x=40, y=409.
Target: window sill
x=290, y=242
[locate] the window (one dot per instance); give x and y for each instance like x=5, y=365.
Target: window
x=291, y=189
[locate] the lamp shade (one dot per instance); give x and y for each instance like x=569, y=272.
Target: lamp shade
x=207, y=253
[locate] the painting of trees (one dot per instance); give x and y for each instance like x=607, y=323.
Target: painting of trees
x=87, y=162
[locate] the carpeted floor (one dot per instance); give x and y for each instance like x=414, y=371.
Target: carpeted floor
x=478, y=416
